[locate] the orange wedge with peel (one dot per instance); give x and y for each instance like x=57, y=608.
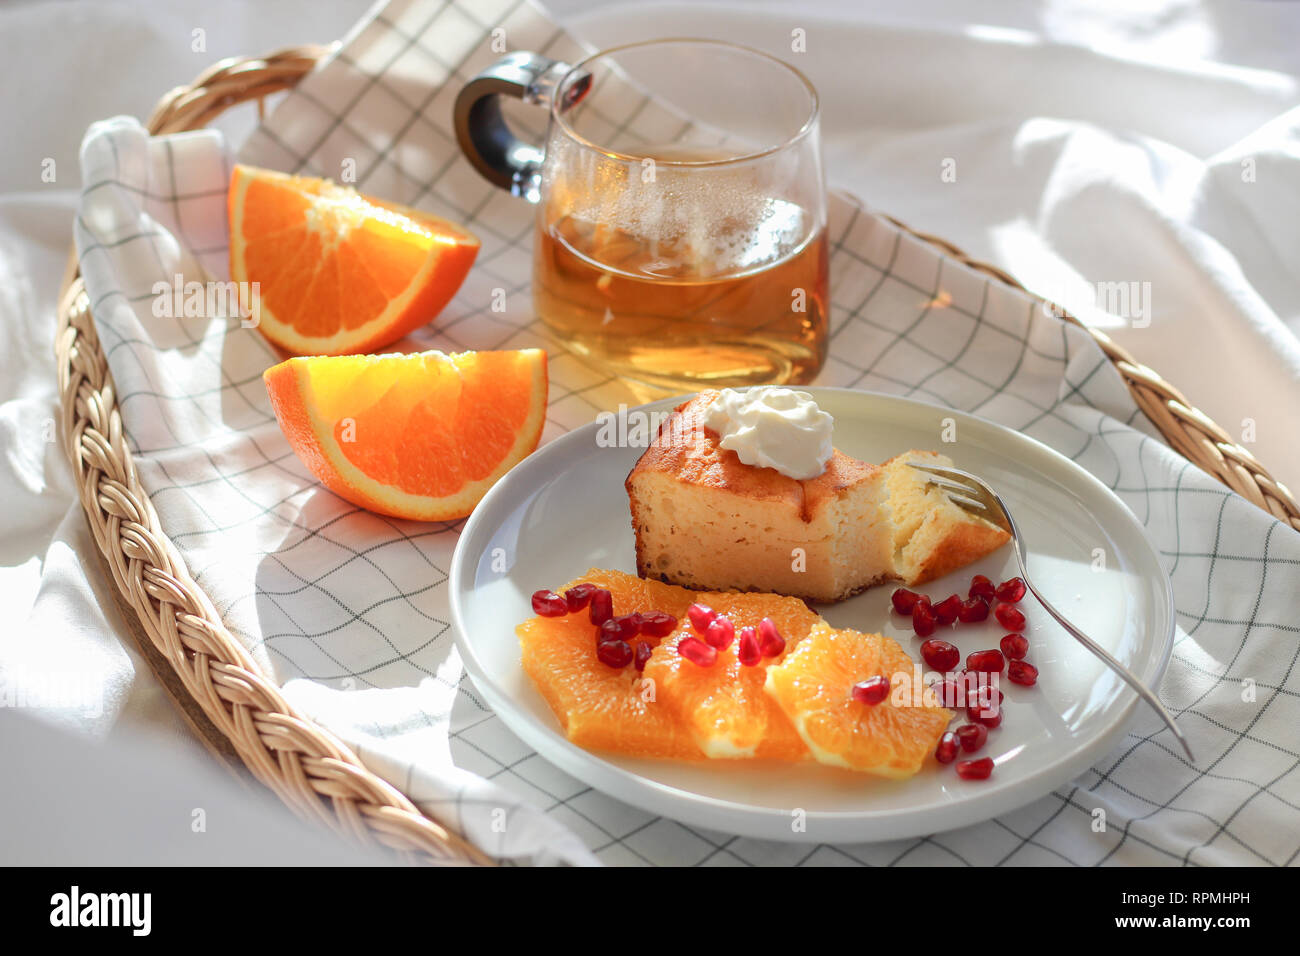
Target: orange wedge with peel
x=337, y=272
x=420, y=436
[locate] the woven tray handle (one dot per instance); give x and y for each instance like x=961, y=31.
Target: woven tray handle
x=313, y=772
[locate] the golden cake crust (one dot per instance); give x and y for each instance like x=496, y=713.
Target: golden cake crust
x=688, y=451
x=704, y=519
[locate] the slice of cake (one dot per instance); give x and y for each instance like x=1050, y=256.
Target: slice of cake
x=932, y=536
x=705, y=519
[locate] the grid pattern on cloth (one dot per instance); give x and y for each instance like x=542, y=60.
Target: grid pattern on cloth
x=348, y=609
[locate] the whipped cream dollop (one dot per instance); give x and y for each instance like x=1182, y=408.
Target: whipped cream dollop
x=773, y=427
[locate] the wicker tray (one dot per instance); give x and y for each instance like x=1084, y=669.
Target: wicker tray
x=239, y=712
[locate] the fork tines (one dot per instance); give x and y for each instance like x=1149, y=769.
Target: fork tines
x=961, y=489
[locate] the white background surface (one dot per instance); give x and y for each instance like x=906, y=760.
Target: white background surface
x=1130, y=174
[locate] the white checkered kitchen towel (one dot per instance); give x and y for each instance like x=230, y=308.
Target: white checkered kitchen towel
x=348, y=609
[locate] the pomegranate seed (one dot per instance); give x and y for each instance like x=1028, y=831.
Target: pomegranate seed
x=720, y=633
x=697, y=652
x=748, y=649
x=872, y=690
x=940, y=655
x=601, y=606
x=982, y=699
x=1009, y=617
x=614, y=653
x=657, y=623
x=621, y=628
x=924, y=620
x=946, y=752
x=984, y=716
x=973, y=611
x=982, y=588
x=643, y=652
x=1023, y=673
x=549, y=604
x=1012, y=590
x=1014, y=646
x=701, y=616
x=948, y=609
x=975, y=769
x=948, y=694
x=578, y=596
x=987, y=662
x=770, y=641
x=904, y=600
x=972, y=737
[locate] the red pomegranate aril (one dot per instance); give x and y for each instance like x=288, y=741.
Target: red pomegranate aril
x=643, y=652
x=972, y=736
x=1011, y=590
x=982, y=588
x=601, y=606
x=986, y=662
x=720, y=633
x=1014, y=646
x=973, y=611
x=657, y=623
x=748, y=650
x=872, y=690
x=697, y=652
x=621, y=628
x=979, y=769
x=1009, y=617
x=1022, y=673
x=924, y=620
x=770, y=641
x=946, y=752
x=579, y=596
x=940, y=655
x=614, y=653
x=984, y=716
x=701, y=616
x=904, y=600
x=948, y=694
x=948, y=609
x=984, y=697
x=549, y=604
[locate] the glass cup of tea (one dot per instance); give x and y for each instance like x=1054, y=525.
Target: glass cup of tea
x=681, y=207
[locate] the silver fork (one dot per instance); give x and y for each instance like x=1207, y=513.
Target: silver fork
x=971, y=493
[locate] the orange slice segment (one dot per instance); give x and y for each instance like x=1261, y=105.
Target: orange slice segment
x=724, y=706
x=337, y=272
x=600, y=707
x=813, y=685
x=420, y=436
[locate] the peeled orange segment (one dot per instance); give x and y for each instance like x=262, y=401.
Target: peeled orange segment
x=420, y=436
x=601, y=707
x=337, y=272
x=813, y=687
x=724, y=706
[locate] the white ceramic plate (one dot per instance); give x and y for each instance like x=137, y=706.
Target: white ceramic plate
x=564, y=510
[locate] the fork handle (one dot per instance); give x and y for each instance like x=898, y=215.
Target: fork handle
x=1129, y=677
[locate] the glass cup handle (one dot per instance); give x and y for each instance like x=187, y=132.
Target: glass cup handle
x=501, y=157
